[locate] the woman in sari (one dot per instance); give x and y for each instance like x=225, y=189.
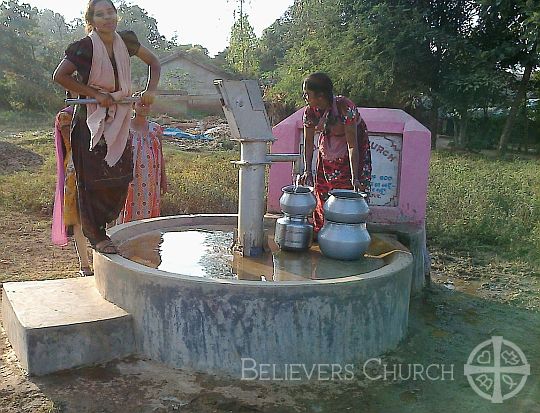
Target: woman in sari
x=102, y=155
x=344, y=159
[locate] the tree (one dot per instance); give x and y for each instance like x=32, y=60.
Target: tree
x=306, y=49
x=23, y=74
x=446, y=32
x=134, y=18
x=241, y=54
x=513, y=30
x=53, y=34
x=410, y=54
x=273, y=45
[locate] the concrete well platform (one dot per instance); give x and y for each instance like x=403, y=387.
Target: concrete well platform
x=204, y=324
x=60, y=324
x=212, y=325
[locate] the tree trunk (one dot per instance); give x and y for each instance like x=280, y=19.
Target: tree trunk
x=522, y=91
x=526, y=129
x=462, y=138
x=434, y=123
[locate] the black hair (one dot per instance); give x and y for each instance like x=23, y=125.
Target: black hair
x=89, y=13
x=320, y=83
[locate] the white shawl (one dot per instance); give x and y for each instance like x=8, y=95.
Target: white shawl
x=113, y=123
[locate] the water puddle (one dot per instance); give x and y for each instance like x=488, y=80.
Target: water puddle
x=207, y=253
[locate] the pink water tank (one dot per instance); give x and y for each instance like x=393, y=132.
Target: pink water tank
x=400, y=150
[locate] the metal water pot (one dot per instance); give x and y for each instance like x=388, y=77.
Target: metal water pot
x=344, y=241
x=347, y=206
x=297, y=200
x=293, y=233
x=344, y=235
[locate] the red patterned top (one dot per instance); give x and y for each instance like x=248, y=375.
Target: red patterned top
x=331, y=125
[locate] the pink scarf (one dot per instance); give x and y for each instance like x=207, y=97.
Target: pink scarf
x=113, y=123
x=58, y=230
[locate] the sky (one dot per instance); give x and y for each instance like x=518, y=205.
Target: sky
x=204, y=22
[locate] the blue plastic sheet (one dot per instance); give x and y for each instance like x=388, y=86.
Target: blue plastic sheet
x=179, y=133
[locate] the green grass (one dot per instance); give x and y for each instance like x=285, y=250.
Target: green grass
x=200, y=183
x=32, y=188
x=16, y=120
x=475, y=202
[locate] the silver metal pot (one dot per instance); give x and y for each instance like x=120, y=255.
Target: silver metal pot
x=343, y=241
x=345, y=205
x=293, y=233
x=297, y=200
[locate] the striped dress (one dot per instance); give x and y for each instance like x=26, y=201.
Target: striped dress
x=144, y=192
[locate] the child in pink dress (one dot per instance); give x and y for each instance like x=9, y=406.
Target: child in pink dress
x=149, y=179
x=66, y=218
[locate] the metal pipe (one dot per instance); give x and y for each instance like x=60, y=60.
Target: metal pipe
x=295, y=158
x=246, y=114
x=251, y=197
x=127, y=100
x=282, y=157
x=251, y=200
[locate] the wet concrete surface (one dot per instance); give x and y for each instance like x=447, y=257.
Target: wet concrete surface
x=208, y=253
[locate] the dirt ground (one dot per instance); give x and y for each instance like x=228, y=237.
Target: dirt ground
x=472, y=298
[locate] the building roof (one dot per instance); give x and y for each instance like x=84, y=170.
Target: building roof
x=193, y=59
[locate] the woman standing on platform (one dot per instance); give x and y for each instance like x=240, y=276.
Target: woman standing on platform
x=344, y=159
x=102, y=155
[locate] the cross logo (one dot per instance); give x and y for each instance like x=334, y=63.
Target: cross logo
x=497, y=369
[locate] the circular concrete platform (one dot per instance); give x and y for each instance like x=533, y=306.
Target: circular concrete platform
x=239, y=327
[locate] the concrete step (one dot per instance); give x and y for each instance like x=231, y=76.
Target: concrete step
x=60, y=324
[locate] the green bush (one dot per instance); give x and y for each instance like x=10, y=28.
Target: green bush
x=29, y=191
x=485, y=132
x=198, y=183
x=27, y=181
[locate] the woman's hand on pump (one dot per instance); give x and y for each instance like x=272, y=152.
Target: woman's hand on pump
x=104, y=99
x=147, y=97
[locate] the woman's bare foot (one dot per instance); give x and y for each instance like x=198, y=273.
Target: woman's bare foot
x=86, y=272
x=106, y=247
